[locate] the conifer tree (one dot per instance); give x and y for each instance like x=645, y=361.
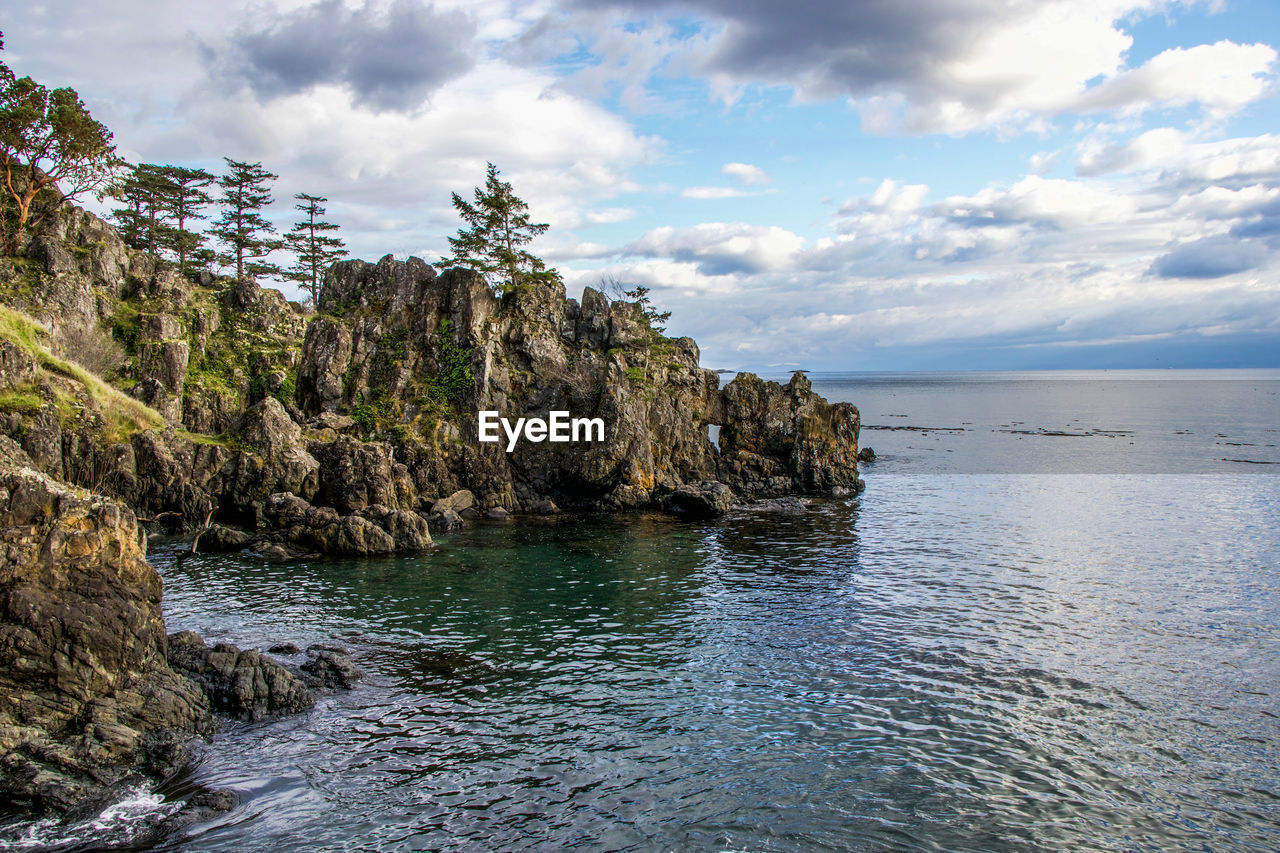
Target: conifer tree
x=657, y=319
x=244, y=232
x=315, y=249
x=187, y=197
x=146, y=191
x=499, y=226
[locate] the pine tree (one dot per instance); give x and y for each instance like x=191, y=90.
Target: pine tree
x=244, y=232
x=499, y=227
x=186, y=198
x=315, y=249
x=146, y=191
x=657, y=319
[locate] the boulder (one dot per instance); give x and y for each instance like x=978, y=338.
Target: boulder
x=459, y=501
x=274, y=459
x=220, y=539
x=408, y=530
x=708, y=499
x=329, y=668
x=445, y=521
x=241, y=683
x=296, y=526
x=356, y=474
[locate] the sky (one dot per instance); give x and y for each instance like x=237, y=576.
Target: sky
x=857, y=185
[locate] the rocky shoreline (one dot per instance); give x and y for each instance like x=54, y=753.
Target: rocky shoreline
x=234, y=417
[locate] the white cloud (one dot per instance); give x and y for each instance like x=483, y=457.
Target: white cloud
x=1175, y=156
x=713, y=193
x=1043, y=201
x=746, y=173
x=721, y=248
x=1221, y=77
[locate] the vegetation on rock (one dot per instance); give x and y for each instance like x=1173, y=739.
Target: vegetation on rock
x=49, y=146
x=498, y=226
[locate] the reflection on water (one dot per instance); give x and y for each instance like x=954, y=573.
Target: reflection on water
x=953, y=662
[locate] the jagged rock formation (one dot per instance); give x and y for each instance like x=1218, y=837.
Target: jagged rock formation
x=91, y=689
x=86, y=694
x=240, y=683
x=368, y=412
x=398, y=336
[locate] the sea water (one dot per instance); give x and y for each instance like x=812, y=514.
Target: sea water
x=1053, y=626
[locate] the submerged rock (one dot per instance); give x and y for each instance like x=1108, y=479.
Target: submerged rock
x=222, y=539
x=789, y=505
x=332, y=669
x=445, y=521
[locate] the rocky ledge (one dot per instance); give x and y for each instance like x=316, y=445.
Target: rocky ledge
x=92, y=691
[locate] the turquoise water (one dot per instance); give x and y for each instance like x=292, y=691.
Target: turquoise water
x=953, y=661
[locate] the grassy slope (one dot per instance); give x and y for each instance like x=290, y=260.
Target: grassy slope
x=123, y=414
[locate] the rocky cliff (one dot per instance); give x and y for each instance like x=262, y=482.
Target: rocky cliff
x=364, y=415
x=86, y=693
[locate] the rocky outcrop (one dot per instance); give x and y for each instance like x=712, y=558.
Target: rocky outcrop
x=328, y=667
x=86, y=694
x=369, y=410
x=243, y=684
x=703, y=500
x=417, y=355
x=291, y=527
x=92, y=691
x=780, y=439
x=272, y=459
x=357, y=474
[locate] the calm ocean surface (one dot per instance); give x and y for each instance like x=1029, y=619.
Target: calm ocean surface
x=1013, y=641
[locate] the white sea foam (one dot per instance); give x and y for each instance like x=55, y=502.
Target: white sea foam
x=119, y=823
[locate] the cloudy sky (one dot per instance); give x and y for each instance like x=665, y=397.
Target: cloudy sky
x=861, y=185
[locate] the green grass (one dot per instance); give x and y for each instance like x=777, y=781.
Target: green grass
x=22, y=400
x=201, y=438
x=124, y=415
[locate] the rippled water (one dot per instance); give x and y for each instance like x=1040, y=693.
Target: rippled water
x=950, y=662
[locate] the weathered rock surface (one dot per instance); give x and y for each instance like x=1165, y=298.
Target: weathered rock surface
x=241, y=683
x=298, y=528
x=709, y=499
x=274, y=459
x=86, y=694
x=329, y=668
x=373, y=402
x=400, y=327
x=780, y=439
